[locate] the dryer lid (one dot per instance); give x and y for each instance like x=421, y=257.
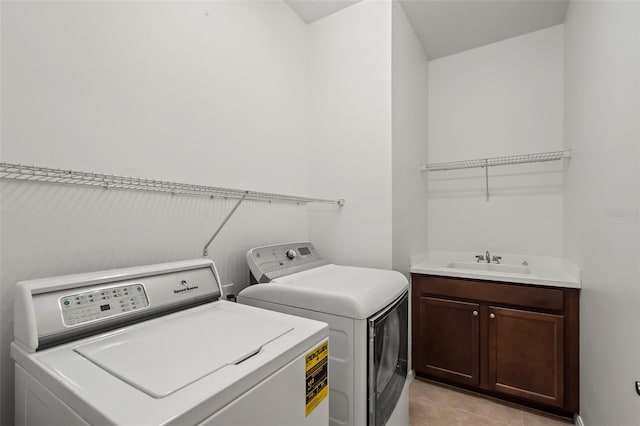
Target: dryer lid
x=166, y=356
x=347, y=291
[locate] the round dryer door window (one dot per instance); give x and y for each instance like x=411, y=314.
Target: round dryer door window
x=388, y=342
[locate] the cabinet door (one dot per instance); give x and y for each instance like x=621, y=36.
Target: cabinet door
x=526, y=355
x=447, y=343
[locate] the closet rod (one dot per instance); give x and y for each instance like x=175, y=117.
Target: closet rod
x=73, y=177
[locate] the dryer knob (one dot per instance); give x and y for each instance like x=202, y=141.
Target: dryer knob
x=291, y=254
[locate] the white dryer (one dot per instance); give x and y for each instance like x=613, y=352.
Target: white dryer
x=367, y=313
x=154, y=346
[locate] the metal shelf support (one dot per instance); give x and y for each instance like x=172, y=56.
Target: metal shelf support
x=205, y=250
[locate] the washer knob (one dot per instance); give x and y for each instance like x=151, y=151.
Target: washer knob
x=291, y=254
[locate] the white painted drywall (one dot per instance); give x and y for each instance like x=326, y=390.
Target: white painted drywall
x=409, y=148
x=601, y=219
x=213, y=93
x=501, y=99
x=350, y=151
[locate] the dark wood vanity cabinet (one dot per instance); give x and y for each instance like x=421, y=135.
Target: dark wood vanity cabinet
x=449, y=342
x=518, y=342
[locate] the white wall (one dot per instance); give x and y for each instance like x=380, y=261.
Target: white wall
x=213, y=93
x=409, y=148
x=350, y=152
x=602, y=111
x=505, y=98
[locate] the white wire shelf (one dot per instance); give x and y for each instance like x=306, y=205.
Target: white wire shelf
x=72, y=177
x=497, y=161
x=485, y=163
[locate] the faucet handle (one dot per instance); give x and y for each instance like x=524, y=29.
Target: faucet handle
x=479, y=257
x=497, y=259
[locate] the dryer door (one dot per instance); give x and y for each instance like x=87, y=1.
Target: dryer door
x=387, y=360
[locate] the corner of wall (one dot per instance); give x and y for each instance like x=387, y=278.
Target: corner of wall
x=409, y=141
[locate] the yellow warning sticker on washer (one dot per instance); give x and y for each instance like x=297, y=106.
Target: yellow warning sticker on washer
x=317, y=370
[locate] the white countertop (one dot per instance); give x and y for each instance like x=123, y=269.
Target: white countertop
x=543, y=270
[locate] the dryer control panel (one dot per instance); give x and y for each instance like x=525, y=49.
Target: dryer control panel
x=270, y=262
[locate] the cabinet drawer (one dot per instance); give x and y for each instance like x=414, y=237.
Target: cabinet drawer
x=492, y=292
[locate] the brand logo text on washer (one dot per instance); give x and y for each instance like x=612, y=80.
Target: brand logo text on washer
x=185, y=288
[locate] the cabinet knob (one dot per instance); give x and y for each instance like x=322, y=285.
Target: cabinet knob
x=475, y=313
x=492, y=316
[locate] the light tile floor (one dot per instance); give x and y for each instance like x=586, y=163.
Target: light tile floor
x=432, y=404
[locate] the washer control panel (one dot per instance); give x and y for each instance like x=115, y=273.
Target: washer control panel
x=80, y=308
x=270, y=262
x=56, y=310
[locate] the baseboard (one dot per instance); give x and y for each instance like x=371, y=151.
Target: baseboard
x=578, y=420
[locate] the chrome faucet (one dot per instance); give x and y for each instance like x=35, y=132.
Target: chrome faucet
x=488, y=258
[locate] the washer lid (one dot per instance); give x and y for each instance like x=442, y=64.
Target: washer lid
x=167, y=356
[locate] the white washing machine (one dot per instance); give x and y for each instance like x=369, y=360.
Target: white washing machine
x=367, y=313
x=154, y=346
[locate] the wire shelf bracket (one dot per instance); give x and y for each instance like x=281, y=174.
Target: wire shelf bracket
x=205, y=250
x=496, y=161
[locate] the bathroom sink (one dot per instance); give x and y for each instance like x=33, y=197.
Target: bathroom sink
x=490, y=267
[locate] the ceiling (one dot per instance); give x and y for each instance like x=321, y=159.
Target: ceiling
x=445, y=27
x=312, y=10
